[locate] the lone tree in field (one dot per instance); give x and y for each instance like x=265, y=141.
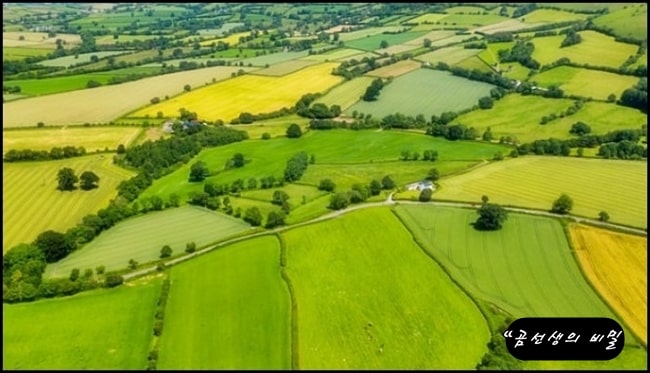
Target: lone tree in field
x=89, y=180
x=165, y=252
x=199, y=171
x=327, y=185
x=425, y=195
x=562, y=205
x=603, y=216
x=294, y=131
x=491, y=217
x=387, y=182
x=66, y=179
x=373, y=90
x=190, y=247
x=383, y=44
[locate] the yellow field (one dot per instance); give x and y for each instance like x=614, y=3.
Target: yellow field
x=232, y=40
x=616, y=264
x=91, y=138
x=249, y=93
x=36, y=39
x=104, y=104
x=396, y=69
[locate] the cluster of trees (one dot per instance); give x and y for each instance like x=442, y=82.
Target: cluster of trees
x=637, y=96
x=294, y=131
x=453, y=132
x=373, y=91
x=296, y=166
x=152, y=359
x=247, y=118
x=491, y=216
x=521, y=52
x=358, y=192
x=572, y=38
x=497, y=356
x=577, y=105
x=478, y=75
x=320, y=111
x=66, y=179
x=427, y=155
x=17, y=155
x=580, y=128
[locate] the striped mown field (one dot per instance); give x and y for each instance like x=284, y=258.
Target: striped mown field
x=32, y=204
x=91, y=138
x=616, y=186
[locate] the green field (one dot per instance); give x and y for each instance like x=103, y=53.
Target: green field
x=333, y=56
x=45, y=86
x=238, y=318
x=551, y=16
x=586, y=83
x=97, y=330
x=615, y=186
x=269, y=157
x=77, y=59
x=368, y=298
x=450, y=56
x=91, y=138
x=274, y=58
x=518, y=115
x=347, y=93
x=18, y=53
x=525, y=277
x=284, y=68
x=470, y=20
x=141, y=238
x=632, y=21
x=30, y=197
x=367, y=32
x=424, y=91
x=595, y=49
x=428, y=18
x=372, y=42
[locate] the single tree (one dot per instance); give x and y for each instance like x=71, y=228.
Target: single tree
x=279, y=197
x=199, y=171
x=165, y=252
x=383, y=44
x=74, y=274
x=387, y=182
x=339, y=201
x=603, y=216
x=487, y=135
x=133, y=264
x=326, y=185
x=425, y=195
x=238, y=160
x=66, y=179
x=486, y=102
x=485, y=199
x=54, y=245
x=190, y=247
x=294, y=131
x=113, y=280
x=427, y=43
x=375, y=187
x=562, y=205
x=274, y=219
x=89, y=180
x=433, y=174
x=491, y=217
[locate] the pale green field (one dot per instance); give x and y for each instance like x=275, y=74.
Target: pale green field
x=18, y=53
x=106, y=329
x=30, y=197
x=433, y=36
x=450, y=56
x=352, y=35
x=616, y=186
x=284, y=68
x=551, y=16
x=428, y=18
x=586, y=83
x=347, y=93
x=595, y=49
x=238, y=318
x=82, y=58
x=387, y=305
x=631, y=21
x=91, y=138
x=333, y=56
x=141, y=238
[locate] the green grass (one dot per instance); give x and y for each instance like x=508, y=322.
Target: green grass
x=630, y=22
x=238, y=318
x=274, y=58
x=471, y=20
x=424, y=91
x=526, y=277
x=91, y=138
x=347, y=93
x=334, y=55
x=371, y=43
x=296, y=191
x=586, y=83
x=517, y=115
x=96, y=330
x=30, y=197
x=18, y=53
x=367, y=32
x=141, y=238
x=284, y=68
x=450, y=56
x=269, y=157
x=596, y=49
x=615, y=186
x=428, y=18
x=369, y=298
x=45, y=86
x=122, y=38
x=474, y=63
x=81, y=58
x=551, y=16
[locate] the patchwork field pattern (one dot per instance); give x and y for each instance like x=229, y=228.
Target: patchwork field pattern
x=91, y=138
x=586, y=83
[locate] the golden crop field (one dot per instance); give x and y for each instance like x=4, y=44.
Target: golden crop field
x=104, y=104
x=616, y=265
x=248, y=93
x=91, y=138
x=230, y=39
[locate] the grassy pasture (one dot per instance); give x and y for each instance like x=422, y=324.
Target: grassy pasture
x=82, y=58
x=450, y=56
x=123, y=38
x=248, y=93
x=515, y=118
x=396, y=49
x=276, y=127
x=450, y=40
x=616, y=264
x=269, y=157
x=141, y=238
x=91, y=138
x=296, y=191
x=371, y=43
x=425, y=92
x=538, y=16
x=367, y=32
x=96, y=330
x=474, y=63
x=471, y=20
x=18, y=53
x=284, y=68
x=595, y=49
x=252, y=328
x=491, y=54
x=631, y=21
x=104, y=104
x=359, y=57
x=618, y=187
x=587, y=83
x=347, y=93
x=333, y=56
x=503, y=26
x=396, y=69
x=428, y=18
x=30, y=197
x=527, y=278
x=432, y=35
x=388, y=305
x=60, y=84
x=273, y=58
x=465, y=10
x=226, y=27
x=36, y=39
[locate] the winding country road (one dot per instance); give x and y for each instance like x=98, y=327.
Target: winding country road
x=388, y=202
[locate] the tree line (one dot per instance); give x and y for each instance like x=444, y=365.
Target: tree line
x=18, y=155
